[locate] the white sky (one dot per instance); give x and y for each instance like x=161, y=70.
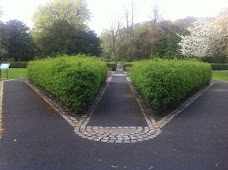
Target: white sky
x=103, y=10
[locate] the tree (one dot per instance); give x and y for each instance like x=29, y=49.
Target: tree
x=127, y=35
x=2, y=48
x=56, y=38
x=185, y=22
x=113, y=36
x=86, y=42
x=60, y=27
x=208, y=37
x=64, y=38
x=75, y=12
x=19, y=43
x=168, y=46
x=156, y=13
x=116, y=41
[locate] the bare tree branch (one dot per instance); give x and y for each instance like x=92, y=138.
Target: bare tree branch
x=157, y=13
x=113, y=34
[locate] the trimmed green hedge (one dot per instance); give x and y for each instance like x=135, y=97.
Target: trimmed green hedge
x=73, y=80
x=18, y=64
x=126, y=66
x=219, y=66
x=164, y=83
x=111, y=66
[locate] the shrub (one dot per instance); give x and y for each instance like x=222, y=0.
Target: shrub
x=18, y=64
x=127, y=66
x=219, y=66
x=111, y=66
x=73, y=80
x=164, y=83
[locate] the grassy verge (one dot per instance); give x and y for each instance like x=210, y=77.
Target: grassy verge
x=220, y=75
x=15, y=73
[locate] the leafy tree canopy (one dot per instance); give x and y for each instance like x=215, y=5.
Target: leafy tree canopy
x=18, y=41
x=60, y=27
x=75, y=12
x=147, y=40
x=65, y=39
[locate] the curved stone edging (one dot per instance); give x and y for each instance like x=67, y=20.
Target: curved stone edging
x=117, y=134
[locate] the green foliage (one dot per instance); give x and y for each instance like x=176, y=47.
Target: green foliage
x=18, y=64
x=127, y=66
x=111, y=66
x=64, y=38
x=74, y=12
x=3, y=50
x=145, y=40
x=85, y=42
x=73, y=80
x=219, y=66
x=18, y=41
x=164, y=83
x=60, y=28
x=215, y=59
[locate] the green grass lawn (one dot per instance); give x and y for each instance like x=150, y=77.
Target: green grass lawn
x=14, y=73
x=220, y=75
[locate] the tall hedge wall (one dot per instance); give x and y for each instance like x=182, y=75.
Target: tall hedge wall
x=127, y=66
x=219, y=66
x=164, y=83
x=111, y=66
x=73, y=80
x=18, y=64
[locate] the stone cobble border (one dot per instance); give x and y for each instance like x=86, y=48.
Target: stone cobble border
x=116, y=134
x=1, y=102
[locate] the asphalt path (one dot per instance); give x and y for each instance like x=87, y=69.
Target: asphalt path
x=36, y=137
x=118, y=106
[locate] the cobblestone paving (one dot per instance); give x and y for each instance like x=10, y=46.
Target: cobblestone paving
x=118, y=134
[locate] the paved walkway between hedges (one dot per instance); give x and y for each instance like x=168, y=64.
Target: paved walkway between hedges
x=35, y=136
x=118, y=116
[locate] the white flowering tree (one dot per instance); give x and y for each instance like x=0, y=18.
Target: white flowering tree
x=208, y=37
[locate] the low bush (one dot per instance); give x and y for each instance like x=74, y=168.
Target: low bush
x=111, y=66
x=127, y=66
x=73, y=80
x=219, y=66
x=164, y=83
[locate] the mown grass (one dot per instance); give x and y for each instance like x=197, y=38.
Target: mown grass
x=220, y=75
x=14, y=73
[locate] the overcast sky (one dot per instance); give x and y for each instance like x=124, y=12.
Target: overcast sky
x=103, y=10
